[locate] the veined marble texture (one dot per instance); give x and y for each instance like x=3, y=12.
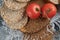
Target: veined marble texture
x=9, y=34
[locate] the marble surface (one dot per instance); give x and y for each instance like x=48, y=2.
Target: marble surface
x=9, y=34
x=54, y=20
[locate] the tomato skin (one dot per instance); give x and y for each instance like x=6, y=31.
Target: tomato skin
x=49, y=9
x=32, y=12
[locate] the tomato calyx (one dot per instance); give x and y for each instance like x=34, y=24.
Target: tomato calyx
x=37, y=9
x=48, y=10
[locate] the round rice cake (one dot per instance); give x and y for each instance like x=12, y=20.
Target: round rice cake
x=11, y=16
x=41, y=35
x=20, y=23
x=13, y=5
x=35, y=25
x=23, y=0
x=53, y=1
x=14, y=19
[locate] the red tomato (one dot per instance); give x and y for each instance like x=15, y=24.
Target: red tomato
x=49, y=10
x=33, y=10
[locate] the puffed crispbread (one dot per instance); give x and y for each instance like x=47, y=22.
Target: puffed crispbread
x=22, y=0
x=14, y=19
x=35, y=25
x=13, y=5
x=41, y=35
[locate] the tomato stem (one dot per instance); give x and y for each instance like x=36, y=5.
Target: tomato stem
x=48, y=10
x=37, y=9
x=47, y=17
